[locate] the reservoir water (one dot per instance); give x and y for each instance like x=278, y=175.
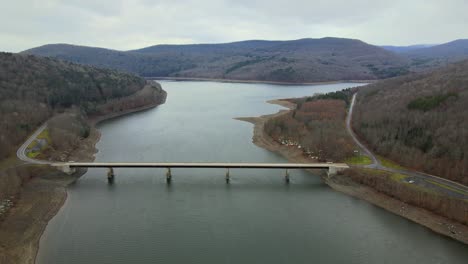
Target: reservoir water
x=257, y=218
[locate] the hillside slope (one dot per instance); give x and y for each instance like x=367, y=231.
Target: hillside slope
x=32, y=89
x=454, y=50
x=304, y=60
x=427, y=58
x=419, y=120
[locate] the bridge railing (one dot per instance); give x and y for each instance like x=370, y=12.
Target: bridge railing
x=69, y=167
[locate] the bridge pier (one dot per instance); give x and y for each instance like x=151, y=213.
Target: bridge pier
x=227, y=176
x=168, y=175
x=332, y=171
x=332, y=168
x=286, y=176
x=110, y=175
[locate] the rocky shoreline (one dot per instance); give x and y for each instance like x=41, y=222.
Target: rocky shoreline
x=341, y=183
x=43, y=196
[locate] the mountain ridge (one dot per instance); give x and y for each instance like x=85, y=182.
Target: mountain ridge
x=302, y=60
x=450, y=49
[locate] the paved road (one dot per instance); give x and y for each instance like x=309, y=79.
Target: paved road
x=375, y=161
x=21, y=152
x=441, y=185
x=425, y=180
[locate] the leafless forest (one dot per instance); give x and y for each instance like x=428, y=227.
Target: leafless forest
x=420, y=121
x=303, y=60
x=318, y=126
x=452, y=208
x=32, y=89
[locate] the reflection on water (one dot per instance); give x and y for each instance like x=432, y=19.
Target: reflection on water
x=257, y=218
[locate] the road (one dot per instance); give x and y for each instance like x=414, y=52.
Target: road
x=21, y=152
x=222, y=165
x=424, y=180
x=375, y=161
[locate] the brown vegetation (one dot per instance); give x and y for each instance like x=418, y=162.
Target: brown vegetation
x=361, y=186
x=32, y=89
x=443, y=205
x=318, y=126
x=419, y=121
x=13, y=178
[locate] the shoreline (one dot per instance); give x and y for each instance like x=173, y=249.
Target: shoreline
x=44, y=195
x=95, y=120
x=195, y=79
x=343, y=184
x=91, y=151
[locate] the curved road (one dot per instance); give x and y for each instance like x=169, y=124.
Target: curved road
x=424, y=180
x=21, y=152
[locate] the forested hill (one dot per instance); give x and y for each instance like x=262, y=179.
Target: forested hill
x=419, y=120
x=428, y=57
x=304, y=60
x=33, y=88
x=451, y=51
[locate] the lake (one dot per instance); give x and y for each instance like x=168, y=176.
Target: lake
x=257, y=218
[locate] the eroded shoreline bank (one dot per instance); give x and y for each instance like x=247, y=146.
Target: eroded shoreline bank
x=42, y=197
x=341, y=183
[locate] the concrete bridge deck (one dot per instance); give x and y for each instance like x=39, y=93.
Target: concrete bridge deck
x=202, y=165
x=69, y=167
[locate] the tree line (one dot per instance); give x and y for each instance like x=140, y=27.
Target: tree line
x=419, y=121
x=443, y=205
x=32, y=89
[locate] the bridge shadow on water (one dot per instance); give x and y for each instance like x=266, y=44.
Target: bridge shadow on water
x=275, y=181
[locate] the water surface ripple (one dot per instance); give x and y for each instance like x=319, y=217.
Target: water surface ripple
x=257, y=218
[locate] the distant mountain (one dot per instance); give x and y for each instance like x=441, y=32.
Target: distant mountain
x=455, y=50
x=403, y=49
x=303, y=60
x=419, y=120
x=437, y=56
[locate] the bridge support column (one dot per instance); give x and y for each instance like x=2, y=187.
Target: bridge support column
x=227, y=176
x=110, y=175
x=286, y=176
x=168, y=175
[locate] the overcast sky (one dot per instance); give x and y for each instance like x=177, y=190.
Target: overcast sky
x=131, y=24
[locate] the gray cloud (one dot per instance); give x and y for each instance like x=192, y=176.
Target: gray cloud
x=125, y=24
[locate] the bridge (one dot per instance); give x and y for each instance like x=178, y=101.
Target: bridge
x=70, y=167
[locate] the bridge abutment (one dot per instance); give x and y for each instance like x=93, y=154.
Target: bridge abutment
x=67, y=169
x=332, y=171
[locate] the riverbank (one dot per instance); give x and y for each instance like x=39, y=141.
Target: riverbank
x=254, y=81
x=43, y=196
x=345, y=185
